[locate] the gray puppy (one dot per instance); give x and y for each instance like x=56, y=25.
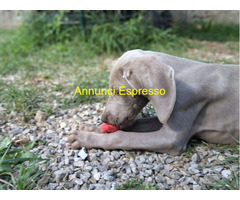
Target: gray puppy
x=200, y=100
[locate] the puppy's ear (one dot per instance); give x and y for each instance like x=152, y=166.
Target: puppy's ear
x=163, y=77
x=147, y=72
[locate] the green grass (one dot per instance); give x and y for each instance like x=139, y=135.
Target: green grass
x=222, y=183
x=42, y=62
x=136, y=184
x=226, y=183
x=42, y=73
x=209, y=31
x=190, y=150
x=25, y=101
x=19, y=168
x=231, y=183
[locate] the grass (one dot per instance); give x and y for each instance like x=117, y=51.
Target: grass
x=231, y=183
x=226, y=183
x=136, y=184
x=35, y=77
x=190, y=150
x=19, y=168
x=42, y=73
x=209, y=31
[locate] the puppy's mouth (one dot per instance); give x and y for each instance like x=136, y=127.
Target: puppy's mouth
x=126, y=123
x=120, y=122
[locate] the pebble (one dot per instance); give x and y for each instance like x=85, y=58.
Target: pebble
x=189, y=180
x=197, y=187
x=221, y=158
x=59, y=175
x=97, y=176
x=142, y=159
x=218, y=169
x=169, y=160
x=169, y=167
x=83, y=154
x=16, y=131
x=78, y=181
x=63, y=125
x=40, y=116
x=27, y=130
x=212, y=159
x=160, y=186
x=98, y=169
x=193, y=169
x=195, y=158
x=52, y=186
x=68, y=185
x=226, y=173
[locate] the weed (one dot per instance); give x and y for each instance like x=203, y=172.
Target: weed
x=231, y=183
x=25, y=100
x=19, y=167
x=22, y=100
x=136, y=184
x=190, y=150
x=42, y=29
x=119, y=37
x=44, y=49
x=209, y=31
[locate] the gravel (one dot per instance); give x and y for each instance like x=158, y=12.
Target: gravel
x=97, y=169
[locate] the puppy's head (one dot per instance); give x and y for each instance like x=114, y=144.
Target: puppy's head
x=122, y=107
x=139, y=72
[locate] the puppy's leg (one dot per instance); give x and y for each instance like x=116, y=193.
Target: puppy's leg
x=164, y=141
x=144, y=125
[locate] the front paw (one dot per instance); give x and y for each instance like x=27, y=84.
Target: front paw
x=89, y=128
x=79, y=139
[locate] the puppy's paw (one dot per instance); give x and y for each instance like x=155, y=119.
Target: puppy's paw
x=76, y=140
x=79, y=139
x=89, y=128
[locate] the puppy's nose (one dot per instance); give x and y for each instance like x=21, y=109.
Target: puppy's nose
x=104, y=118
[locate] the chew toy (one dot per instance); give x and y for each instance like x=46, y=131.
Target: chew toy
x=108, y=128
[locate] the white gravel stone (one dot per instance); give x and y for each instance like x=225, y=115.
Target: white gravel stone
x=83, y=154
x=226, y=173
x=97, y=176
x=193, y=169
x=221, y=158
x=212, y=159
x=142, y=159
x=63, y=125
x=218, y=169
x=169, y=160
x=78, y=181
x=195, y=158
x=197, y=187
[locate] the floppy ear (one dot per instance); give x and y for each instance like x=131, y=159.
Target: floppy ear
x=147, y=72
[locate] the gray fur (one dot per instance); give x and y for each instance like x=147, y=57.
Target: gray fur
x=201, y=100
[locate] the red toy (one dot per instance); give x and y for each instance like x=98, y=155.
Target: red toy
x=108, y=128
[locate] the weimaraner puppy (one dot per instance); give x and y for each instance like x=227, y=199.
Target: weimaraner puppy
x=201, y=100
